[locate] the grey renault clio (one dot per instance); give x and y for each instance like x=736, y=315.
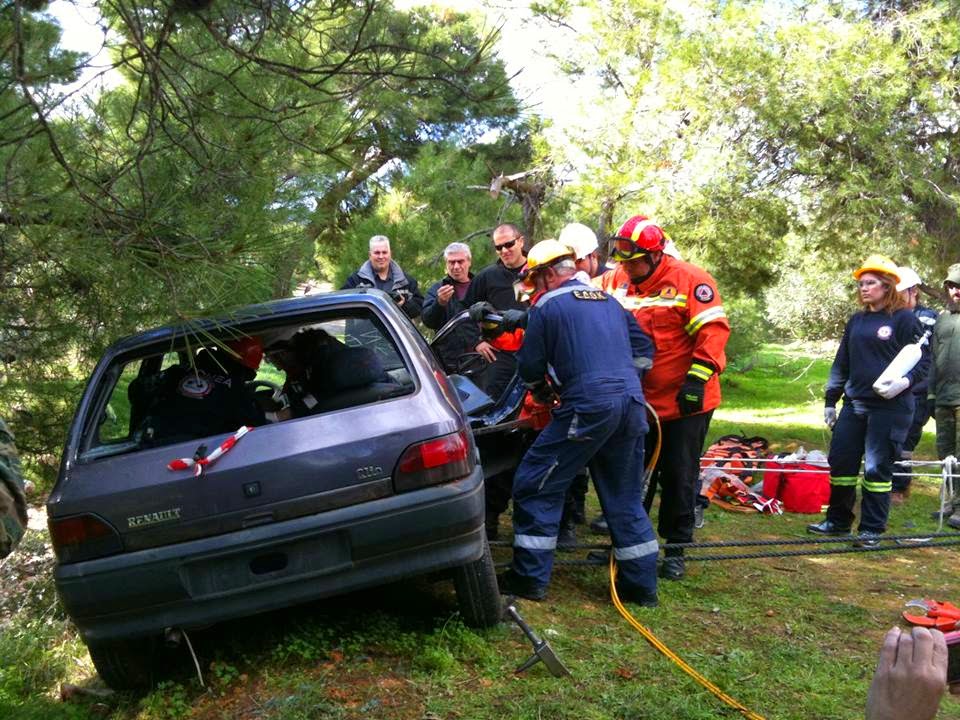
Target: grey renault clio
x=286, y=452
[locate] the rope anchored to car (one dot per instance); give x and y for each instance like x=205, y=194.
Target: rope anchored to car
x=895, y=542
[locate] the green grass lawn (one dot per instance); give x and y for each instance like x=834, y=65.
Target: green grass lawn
x=788, y=637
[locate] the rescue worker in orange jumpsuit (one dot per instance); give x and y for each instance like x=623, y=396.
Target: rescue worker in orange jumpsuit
x=677, y=304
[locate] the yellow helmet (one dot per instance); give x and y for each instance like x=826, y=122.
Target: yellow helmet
x=878, y=264
x=546, y=253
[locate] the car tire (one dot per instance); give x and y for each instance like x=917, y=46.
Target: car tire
x=477, y=592
x=124, y=664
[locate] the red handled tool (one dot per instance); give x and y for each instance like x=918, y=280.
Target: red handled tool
x=943, y=616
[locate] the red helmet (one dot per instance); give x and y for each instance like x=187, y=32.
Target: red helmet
x=249, y=351
x=637, y=236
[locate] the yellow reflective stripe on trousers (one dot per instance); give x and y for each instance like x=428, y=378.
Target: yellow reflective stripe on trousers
x=877, y=487
x=651, y=547
x=845, y=481
x=535, y=542
x=708, y=315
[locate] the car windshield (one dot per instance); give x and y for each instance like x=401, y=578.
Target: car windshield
x=217, y=382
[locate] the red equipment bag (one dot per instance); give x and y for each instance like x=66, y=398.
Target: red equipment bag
x=807, y=491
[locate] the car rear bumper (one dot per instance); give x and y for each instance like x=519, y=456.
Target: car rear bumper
x=213, y=579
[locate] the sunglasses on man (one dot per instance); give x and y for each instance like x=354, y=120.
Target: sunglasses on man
x=506, y=246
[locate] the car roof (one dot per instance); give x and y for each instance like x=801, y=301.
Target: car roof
x=284, y=308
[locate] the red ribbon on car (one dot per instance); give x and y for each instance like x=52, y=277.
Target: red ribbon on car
x=199, y=459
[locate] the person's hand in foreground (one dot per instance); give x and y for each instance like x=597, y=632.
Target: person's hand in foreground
x=911, y=676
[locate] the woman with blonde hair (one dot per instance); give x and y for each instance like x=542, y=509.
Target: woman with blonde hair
x=874, y=419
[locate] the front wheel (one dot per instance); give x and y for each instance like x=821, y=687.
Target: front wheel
x=477, y=592
x=124, y=664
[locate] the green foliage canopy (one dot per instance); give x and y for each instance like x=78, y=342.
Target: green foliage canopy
x=239, y=133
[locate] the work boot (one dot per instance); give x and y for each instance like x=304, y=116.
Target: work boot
x=946, y=511
x=867, y=539
x=567, y=537
x=598, y=557
x=672, y=568
x=954, y=520
x=828, y=527
x=698, y=516
x=599, y=525
x=636, y=595
x=579, y=510
x=492, y=524
x=521, y=586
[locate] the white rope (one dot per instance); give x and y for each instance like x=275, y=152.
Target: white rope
x=757, y=471
x=788, y=461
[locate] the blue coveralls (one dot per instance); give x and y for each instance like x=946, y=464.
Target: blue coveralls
x=601, y=422
x=869, y=426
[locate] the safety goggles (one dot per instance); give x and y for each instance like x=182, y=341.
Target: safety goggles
x=623, y=249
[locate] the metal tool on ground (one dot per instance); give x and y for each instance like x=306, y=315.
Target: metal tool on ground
x=943, y=616
x=541, y=649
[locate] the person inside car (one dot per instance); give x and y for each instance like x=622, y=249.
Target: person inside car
x=209, y=397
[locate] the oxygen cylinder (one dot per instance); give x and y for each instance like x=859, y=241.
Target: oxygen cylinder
x=904, y=362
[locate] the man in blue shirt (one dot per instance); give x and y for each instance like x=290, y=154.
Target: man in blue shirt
x=601, y=422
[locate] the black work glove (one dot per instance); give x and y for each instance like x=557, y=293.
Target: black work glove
x=541, y=392
x=479, y=309
x=513, y=319
x=690, y=397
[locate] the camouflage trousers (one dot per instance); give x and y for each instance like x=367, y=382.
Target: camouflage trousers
x=13, y=502
x=13, y=517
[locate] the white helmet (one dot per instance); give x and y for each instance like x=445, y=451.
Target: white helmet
x=908, y=279
x=579, y=238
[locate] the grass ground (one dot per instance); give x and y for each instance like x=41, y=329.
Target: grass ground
x=788, y=637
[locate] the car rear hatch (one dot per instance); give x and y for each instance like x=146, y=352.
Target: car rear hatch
x=125, y=496
x=273, y=473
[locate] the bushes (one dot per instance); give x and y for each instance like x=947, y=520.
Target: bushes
x=812, y=305
x=748, y=329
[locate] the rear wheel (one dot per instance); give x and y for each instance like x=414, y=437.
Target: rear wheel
x=124, y=664
x=477, y=592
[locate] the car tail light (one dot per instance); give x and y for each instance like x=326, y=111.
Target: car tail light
x=434, y=461
x=83, y=537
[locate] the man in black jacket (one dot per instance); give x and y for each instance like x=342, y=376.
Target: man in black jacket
x=492, y=290
x=381, y=272
x=447, y=298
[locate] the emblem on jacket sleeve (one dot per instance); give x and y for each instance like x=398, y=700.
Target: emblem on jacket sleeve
x=703, y=293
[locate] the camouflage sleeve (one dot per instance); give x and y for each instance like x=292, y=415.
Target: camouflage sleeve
x=13, y=502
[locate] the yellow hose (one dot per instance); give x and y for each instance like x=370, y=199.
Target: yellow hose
x=645, y=632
